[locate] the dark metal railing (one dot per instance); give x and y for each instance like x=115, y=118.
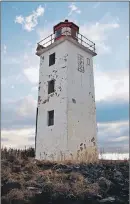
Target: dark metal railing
x=79, y=38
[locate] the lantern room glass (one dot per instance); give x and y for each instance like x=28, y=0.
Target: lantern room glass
x=66, y=31
x=58, y=33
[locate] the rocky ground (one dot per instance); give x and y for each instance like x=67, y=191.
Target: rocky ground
x=34, y=182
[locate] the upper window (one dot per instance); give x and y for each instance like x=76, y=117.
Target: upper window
x=88, y=61
x=51, y=86
x=73, y=33
x=80, y=63
x=51, y=59
x=57, y=33
x=66, y=31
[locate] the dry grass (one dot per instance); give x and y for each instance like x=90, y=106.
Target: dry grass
x=87, y=155
x=15, y=194
x=51, y=177
x=12, y=154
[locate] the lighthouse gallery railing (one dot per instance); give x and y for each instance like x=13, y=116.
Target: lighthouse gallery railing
x=80, y=38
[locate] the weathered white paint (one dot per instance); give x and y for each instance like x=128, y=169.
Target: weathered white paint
x=74, y=123
x=82, y=114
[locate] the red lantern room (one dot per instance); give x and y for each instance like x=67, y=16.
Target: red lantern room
x=61, y=30
x=66, y=28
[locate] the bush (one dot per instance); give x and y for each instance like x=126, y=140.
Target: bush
x=11, y=154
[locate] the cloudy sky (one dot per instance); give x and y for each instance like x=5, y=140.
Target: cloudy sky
x=26, y=23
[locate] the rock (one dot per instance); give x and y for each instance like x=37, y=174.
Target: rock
x=44, y=165
x=76, y=167
x=60, y=166
x=118, y=178
x=34, y=189
x=99, y=196
x=34, y=184
x=64, y=170
x=104, y=184
x=107, y=200
x=84, y=172
x=68, y=170
x=9, y=186
x=117, y=174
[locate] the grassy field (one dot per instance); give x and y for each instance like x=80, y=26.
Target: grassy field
x=27, y=180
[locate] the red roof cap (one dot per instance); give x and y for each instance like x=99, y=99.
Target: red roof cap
x=66, y=23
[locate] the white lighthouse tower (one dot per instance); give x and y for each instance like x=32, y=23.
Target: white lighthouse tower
x=66, y=117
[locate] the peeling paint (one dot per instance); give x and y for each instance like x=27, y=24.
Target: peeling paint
x=45, y=101
x=93, y=139
x=73, y=100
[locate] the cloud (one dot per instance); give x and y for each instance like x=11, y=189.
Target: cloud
x=111, y=85
x=45, y=32
x=120, y=139
x=18, y=123
x=30, y=22
x=30, y=66
x=18, y=114
x=19, y=69
x=73, y=9
x=12, y=87
x=34, y=88
x=109, y=111
x=19, y=19
x=114, y=136
x=5, y=49
x=27, y=106
x=18, y=138
x=10, y=60
x=98, y=33
x=32, y=74
x=15, y=79
x=40, y=11
x=46, y=29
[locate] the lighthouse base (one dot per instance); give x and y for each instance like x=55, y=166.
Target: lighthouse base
x=88, y=155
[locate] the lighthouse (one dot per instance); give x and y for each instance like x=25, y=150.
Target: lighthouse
x=66, y=126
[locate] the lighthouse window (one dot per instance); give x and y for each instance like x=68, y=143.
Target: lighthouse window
x=88, y=61
x=58, y=33
x=50, y=118
x=52, y=59
x=51, y=86
x=73, y=33
x=80, y=63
